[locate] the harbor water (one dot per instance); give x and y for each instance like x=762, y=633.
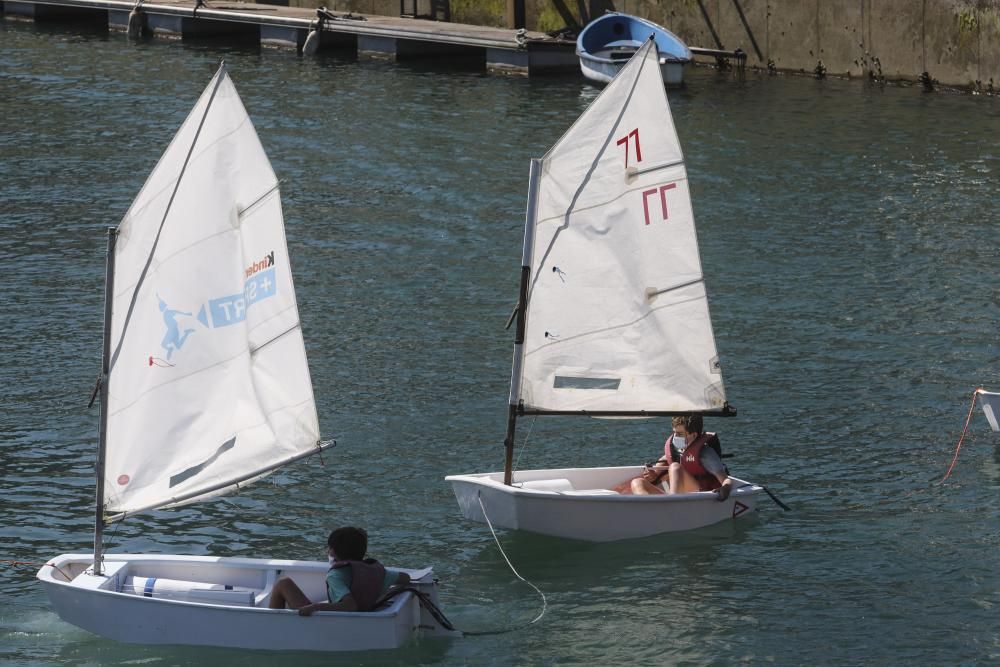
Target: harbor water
x=848, y=236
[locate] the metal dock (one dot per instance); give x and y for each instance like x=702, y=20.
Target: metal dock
x=500, y=50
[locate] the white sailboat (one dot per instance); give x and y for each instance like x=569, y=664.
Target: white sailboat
x=205, y=388
x=612, y=318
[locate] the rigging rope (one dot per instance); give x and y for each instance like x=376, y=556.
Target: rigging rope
x=965, y=429
x=425, y=601
x=545, y=604
x=524, y=444
x=35, y=564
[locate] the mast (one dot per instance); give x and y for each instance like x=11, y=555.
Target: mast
x=534, y=175
x=109, y=279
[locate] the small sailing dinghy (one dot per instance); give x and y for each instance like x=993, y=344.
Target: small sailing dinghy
x=612, y=319
x=609, y=41
x=205, y=388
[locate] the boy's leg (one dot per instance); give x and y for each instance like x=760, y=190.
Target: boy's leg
x=287, y=593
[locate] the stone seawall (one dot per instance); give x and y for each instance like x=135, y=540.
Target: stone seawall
x=955, y=42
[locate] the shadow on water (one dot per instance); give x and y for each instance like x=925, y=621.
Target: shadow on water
x=564, y=572
x=96, y=650
x=541, y=553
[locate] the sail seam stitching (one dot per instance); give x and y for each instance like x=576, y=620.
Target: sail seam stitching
x=597, y=205
x=623, y=325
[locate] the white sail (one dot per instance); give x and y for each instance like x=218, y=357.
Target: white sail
x=209, y=383
x=617, y=313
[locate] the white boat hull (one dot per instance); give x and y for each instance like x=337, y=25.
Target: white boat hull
x=128, y=604
x=577, y=503
x=602, y=70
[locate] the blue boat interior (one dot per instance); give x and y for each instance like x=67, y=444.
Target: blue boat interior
x=618, y=36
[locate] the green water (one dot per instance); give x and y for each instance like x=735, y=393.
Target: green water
x=849, y=239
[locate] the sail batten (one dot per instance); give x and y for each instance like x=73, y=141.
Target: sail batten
x=224, y=486
x=211, y=386
x=295, y=327
x=275, y=189
x=617, y=318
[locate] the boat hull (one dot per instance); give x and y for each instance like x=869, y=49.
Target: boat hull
x=577, y=503
x=127, y=604
x=608, y=42
x=602, y=71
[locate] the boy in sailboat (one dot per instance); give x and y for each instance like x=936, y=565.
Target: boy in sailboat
x=354, y=583
x=691, y=461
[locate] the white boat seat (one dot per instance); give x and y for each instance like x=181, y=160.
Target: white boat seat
x=559, y=484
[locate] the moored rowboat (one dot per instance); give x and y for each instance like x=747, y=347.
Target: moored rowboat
x=607, y=43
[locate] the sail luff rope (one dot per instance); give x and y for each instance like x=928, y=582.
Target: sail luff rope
x=545, y=603
x=958, y=447
x=152, y=250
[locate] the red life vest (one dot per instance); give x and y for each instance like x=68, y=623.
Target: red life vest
x=367, y=577
x=691, y=461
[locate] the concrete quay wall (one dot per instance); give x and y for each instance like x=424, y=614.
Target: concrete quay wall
x=955, y=42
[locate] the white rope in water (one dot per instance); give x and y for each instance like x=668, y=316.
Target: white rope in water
x=545, y=603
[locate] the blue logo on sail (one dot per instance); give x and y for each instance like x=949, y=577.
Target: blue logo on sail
x=228, y=310
x=173, y=340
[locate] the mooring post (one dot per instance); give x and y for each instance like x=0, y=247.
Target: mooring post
x=516, y=14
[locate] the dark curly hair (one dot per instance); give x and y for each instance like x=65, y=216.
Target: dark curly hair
x=691, y=423
x=349, y=543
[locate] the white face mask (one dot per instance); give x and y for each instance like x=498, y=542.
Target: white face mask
x=680, y=442
x=332, y=560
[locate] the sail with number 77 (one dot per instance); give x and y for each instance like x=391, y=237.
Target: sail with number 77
x=612, y=320
x=617, y=316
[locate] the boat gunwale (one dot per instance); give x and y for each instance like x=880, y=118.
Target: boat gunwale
x=484, y=479
x=45, y=575
x=590, y=57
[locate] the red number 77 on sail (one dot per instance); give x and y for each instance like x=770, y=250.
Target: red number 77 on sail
x=624, y=140
x=663, y=199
